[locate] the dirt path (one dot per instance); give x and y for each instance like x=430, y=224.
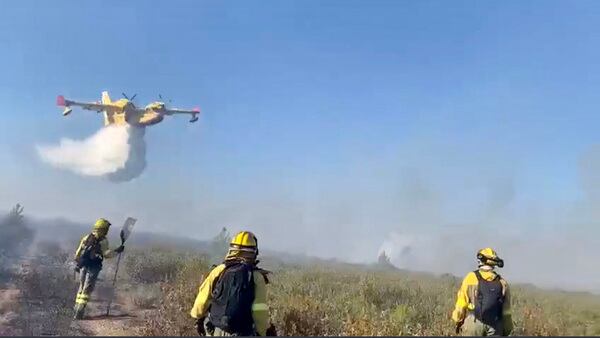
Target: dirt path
x=124, y=319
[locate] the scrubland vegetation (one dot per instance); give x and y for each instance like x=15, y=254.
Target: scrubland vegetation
x=310, y=297
x=342, y=299
x=36, y=284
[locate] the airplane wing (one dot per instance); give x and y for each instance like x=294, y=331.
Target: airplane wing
x=95, y=106
x=194, y=112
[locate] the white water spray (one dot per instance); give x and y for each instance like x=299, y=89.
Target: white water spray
x=117, y=153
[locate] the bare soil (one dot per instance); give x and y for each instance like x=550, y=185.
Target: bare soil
x=123, y=319
x=27, y=307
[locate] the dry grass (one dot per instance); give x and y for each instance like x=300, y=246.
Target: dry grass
x=47, y=293
x=346, y=300
x=152, y=265
x=171, y=317
x=324, y=298
x=145, y=296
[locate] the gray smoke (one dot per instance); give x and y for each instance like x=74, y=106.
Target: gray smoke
x=430, y=207
x=557, y=241
x=117, y=153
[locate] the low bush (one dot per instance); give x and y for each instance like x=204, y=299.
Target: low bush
x=341, y=300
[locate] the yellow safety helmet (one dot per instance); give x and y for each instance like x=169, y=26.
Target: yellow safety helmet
x=101, y=226
x=244, y=241
x=488, y=256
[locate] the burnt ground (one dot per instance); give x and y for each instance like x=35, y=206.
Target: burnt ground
x=37, y=298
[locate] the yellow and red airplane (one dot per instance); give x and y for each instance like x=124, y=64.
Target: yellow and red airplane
x=124, y=111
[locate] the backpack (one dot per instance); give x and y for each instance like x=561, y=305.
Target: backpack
x=90, y=254
x=232, y=298
x=490, y=300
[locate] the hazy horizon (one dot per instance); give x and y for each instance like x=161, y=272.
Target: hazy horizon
x=429, y=129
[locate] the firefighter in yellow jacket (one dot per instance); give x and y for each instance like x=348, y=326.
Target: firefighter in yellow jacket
x=92, y=250
x=483, y=301
x=232, y=300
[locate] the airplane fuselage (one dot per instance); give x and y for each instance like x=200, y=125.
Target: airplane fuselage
x=127, y=113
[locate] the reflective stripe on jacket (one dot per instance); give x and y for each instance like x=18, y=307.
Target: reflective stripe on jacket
x=260, y=308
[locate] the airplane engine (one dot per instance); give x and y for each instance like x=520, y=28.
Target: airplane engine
x=149, y=118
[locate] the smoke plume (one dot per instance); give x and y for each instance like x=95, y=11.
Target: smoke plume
x=117, y=153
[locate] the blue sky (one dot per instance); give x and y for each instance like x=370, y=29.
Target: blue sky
x=325, y=104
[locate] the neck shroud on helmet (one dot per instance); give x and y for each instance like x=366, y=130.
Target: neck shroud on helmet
x=244, y=245
x=489, y=257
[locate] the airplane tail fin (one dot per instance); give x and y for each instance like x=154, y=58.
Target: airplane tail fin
x=105, y=98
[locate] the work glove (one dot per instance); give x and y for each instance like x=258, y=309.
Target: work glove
x=120, y=249
x=271, y=331
x=200, y=327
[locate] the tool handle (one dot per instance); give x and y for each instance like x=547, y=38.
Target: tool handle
x=113, y=284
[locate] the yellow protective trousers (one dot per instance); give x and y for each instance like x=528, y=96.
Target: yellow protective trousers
x=87, y=281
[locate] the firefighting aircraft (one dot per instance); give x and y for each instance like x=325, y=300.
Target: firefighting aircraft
x=124, y=111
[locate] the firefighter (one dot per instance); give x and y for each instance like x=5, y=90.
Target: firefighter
x=483, y=301
x=92, y=250
x=232, y=299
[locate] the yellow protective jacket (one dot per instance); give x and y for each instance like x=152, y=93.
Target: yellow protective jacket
x=260, y=309
x=106, y=252
x=465, y=299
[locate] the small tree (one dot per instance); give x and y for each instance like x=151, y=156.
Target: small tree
x=220, y=244
x=17, y=211
x=15, y=236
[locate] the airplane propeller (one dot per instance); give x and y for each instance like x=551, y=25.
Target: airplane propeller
x=163, y=100
x=130, y=99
